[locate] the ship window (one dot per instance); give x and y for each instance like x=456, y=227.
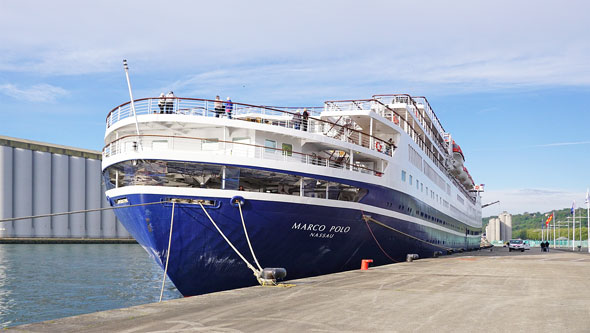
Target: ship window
x=403, y=176
x=253, y=180
x=410, y=179
x=287, y=149
x=417, y=184
x=270, y=145
x=232, y=178
x=421, y=187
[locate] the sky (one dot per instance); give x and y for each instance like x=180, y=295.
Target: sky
x=510, y=80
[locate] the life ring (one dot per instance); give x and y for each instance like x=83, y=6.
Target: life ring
x=396, y=120
x=379, y=146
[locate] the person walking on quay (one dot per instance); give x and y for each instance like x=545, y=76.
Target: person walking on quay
x=218, y=107
x=229, y=106
x=162, y=102
x=304, y=119
x=547, y=246
x=542, y=246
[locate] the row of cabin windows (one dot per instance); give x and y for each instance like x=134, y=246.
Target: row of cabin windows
x=433, y=195
x=420, y=187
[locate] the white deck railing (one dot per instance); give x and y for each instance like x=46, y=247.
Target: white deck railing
x=150, y=143
x=276, y=116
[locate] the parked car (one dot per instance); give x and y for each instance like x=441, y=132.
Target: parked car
x=518, y=245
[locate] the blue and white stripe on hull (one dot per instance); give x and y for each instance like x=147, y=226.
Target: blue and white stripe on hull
x=307, y=236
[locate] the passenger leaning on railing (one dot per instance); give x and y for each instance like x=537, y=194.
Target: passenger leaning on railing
x=297, y=120
x=218, y=107
x=229, y=106
x=169, y=102
x=162, y=102
x=304, y=119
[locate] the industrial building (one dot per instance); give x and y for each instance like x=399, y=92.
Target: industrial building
x=499, y=229
x=40, y=178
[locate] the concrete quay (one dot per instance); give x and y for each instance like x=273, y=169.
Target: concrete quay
x=473, y=291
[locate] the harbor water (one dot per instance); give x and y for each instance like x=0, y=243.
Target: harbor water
x=41, y=282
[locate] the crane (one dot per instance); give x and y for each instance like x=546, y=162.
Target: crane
x=489, y=204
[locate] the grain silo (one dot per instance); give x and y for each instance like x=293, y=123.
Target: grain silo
x=40, y=178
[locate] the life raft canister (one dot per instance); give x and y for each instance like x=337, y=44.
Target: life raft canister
x=378, y=146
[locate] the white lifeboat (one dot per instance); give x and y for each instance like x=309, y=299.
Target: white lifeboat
x=465, y=179
x=457, y=160
x=463, y=176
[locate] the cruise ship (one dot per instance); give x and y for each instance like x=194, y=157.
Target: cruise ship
x=218, y=192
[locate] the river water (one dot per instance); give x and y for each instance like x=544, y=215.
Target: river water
x=40, y=282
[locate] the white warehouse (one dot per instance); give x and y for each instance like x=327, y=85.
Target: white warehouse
x=40, y=178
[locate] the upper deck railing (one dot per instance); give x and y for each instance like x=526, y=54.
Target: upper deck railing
x=414, y=101
x=288, y=117
x=401, y=119
x=231, y=148
x=405, y=120
x=434, y=129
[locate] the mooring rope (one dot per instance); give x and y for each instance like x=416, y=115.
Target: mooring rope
x=78, y=211
x=376, y=241
x=254, y=270
x=167, y=253
x=369, y=218
x=248, y=238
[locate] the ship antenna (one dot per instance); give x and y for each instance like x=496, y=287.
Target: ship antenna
x=132, y=102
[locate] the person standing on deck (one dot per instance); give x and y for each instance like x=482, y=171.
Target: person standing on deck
x=218, y=107
x=297, y=120
x=169, y=101
x=162, y=102
x=229, y=106
x=304, y=119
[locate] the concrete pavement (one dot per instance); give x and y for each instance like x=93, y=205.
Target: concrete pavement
x=473, y=291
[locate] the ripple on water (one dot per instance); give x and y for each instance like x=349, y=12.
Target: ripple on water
x=47, y=281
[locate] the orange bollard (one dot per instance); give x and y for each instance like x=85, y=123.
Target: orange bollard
x=365, y=264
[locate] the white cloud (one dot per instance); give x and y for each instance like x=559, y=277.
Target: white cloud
x=557, y=144
x=35, y=93
x=530, y=200
x=457, y=45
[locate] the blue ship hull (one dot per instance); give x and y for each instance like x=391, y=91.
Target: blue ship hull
x=306, y=240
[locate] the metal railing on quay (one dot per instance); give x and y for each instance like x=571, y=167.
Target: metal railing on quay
x=229, y=148
x=284, y=117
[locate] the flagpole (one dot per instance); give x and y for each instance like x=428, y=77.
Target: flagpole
x=554, y=243
x=574, y=226
x=581, y=232
x=588, y=216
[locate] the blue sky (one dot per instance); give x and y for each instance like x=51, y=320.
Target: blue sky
x=510, y=80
